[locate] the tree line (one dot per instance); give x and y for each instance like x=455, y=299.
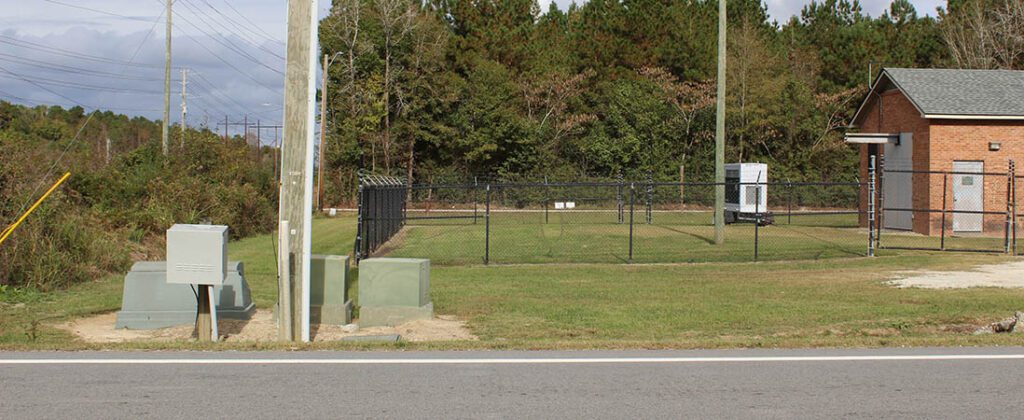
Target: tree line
x=452, y=90
x=123, y=194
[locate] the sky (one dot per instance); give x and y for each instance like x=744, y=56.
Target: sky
x=108, y=54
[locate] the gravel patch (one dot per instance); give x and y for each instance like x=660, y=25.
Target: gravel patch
x=1009, y=275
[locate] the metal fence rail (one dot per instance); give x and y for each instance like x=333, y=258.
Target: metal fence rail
x=966, y=211
x=617, y=221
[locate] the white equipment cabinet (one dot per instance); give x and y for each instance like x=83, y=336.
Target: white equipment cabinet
x=198, y=255
x=746, y=193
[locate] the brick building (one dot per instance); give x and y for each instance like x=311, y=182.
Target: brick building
x=947, y=137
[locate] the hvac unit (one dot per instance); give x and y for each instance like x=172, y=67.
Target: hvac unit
x=746, y=193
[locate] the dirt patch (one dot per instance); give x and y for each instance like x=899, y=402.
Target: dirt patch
x=1009, y=275
x=263, y=328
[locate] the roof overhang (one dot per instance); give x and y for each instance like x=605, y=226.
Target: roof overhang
x=871, y=138
x=972, y=117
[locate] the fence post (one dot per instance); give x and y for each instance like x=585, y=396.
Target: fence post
x=360, y=228
x=789, y=203
x=942, y=232
x=1013, y=205
x=547, y=197
x=632, y=194
x=881, y=202
x=757, y=218
x=1009, y=216
x=871, y=206
x=476, y=200
x=650, y=196
x=487, y=229
x=621, y=201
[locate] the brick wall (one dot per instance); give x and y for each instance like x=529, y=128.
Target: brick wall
x=937, y=144
x=969, y=140
x=891, y=112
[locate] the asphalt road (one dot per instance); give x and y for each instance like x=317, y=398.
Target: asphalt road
x=883, y=383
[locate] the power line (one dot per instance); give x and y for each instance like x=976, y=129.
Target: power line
x=240, y=30
x=81, y=129
x=74, y=85
x=35, y=46
x=104, y=12
x=73, y=69
x=268, y=36
x=226, y=43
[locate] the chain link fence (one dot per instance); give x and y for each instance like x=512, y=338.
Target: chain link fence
x=617, y=221
x=966, y=209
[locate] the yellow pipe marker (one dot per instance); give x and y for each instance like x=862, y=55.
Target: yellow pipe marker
x=10, y=230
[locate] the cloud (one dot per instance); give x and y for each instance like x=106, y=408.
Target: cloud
x=88, y=66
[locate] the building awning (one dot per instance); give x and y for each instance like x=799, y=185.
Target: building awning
x=871, y=138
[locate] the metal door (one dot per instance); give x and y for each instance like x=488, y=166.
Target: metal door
x=968, y=195
x=898, y=187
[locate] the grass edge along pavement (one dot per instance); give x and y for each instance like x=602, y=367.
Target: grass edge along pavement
x=818, y=303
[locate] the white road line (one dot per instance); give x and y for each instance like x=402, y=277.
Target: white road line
x=511, y=361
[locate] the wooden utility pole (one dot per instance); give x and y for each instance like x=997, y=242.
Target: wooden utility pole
x=259, y=140
x=167, y=84
x=297, y=158
x=720, y=131
x=184, y=104
x=323, y=134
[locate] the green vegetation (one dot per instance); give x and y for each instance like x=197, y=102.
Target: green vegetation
x=835, y=302
x=115, y=210
x=445, y=91
x=596, y=237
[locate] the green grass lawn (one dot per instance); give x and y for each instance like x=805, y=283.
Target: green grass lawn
x=824, y=302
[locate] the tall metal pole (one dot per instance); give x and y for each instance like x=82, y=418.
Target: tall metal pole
x=297, y=155
x=167, y=84
x=184, y=104
x=720, y=131
x=323, y=134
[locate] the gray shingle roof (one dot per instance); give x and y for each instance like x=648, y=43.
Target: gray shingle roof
x=936, y=92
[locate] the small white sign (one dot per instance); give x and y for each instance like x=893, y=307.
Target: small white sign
x=559, y=205
x=570, y=205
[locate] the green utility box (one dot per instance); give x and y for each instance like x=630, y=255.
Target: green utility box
x=328, y=290
x=150, y=302
x=393, y=291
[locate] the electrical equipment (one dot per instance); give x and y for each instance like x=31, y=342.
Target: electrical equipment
x=746, y=193
x=197, y=254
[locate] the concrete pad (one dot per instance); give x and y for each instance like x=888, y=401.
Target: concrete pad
x=387, y=338
x=149, y=302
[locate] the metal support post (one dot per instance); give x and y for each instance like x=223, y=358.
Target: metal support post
x=650, y=198
x=621, y=202
x=487, y=228
x=757, y=219
x=1013, y=206
x=945, y=192
x=789, y=202
x=881, y=202
x=632, y=194
x=871, y=206
x=1009, y=215
x=547, y=197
